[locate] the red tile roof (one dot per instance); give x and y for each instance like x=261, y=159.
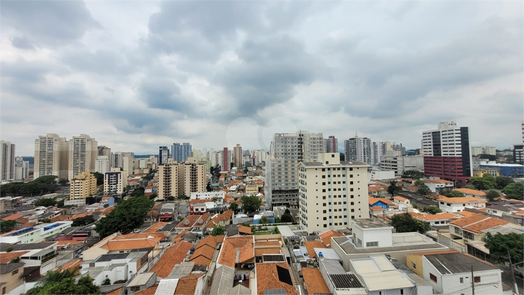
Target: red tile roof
x=149, y=291
x=314, y=281
x=187, y=285
x=268, y=278
x=118, y=245
x=7, y=257
x=236, y=246
x=173, y=256
x=13, y=217
x=311, y=245
x=326, y=237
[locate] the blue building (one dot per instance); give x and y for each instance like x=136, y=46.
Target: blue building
x=181, y=151
x=509, y=170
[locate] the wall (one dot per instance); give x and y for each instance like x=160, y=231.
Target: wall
x=12, y=280
x=417, y=260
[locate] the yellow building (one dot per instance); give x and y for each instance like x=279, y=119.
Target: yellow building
x=82, y=186
x=175, y=179
x=481, y=171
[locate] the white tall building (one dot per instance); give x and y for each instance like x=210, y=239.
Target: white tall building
x=115, y=181
x=287, y=150
x=21, y=169
x=332, y=193
x=358, y=149
x=379, y=150
x=393, y=161
x=83, y=151
x=51, y=156
x=7, y=161
x=479, y=150
x=102, y=164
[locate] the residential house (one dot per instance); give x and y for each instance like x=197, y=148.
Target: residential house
x=141, y=282
x=440, y=219
x=472, y=193
x=195, y=223
x=11, y=276
x=173, y=256
x=116, y=243
x=115, y=267
x=274, y=276
x=380, y=202
x=454, y=205
x=236, y=251
x=438, y=185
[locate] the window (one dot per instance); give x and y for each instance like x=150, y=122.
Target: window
x=401, y=291
x=461, y=280
x=413, y=265
x=477, y=279
x=432, y=277
x=371, y=244
x=14, y=272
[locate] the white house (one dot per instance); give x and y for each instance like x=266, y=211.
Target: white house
x=115, y=267
x=454, y=205
x=372, y=232
x=35, y=233
x=436, y=185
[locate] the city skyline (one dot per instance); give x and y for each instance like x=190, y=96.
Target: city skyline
x=140, y=75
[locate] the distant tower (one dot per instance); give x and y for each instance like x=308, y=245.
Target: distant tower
x=7, y=162
x=237, y=157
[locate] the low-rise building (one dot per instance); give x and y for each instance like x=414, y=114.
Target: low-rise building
x=440, y=219
x=454, y=205
x=438, y=185
x=36, y=233
x=473, y=193
x=115, y=267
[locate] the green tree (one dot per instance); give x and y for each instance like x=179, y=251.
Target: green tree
x=9, y=249
x=7, y=226
x=514, y=190
x=46, y=202
x=452, y=194
x=99, y=178
x=393, y=188
x=492, y=195
x=419, y=183
x=424, y=190
x=287, y=217
x=405, y=223
x=250, y=203
x=486, y=182
x=432, y=210
x=413, y=174
x=62, y=181
x=127, y=216
x=183, y=197
x=63, y=282
x=81, y=221
x=218, y=230
x=170, y=198
x=503, y=181
x=208, y=187
x=46, y=220
x=499, y=245
x=233, y=206
x=139, y=191
x=488, y=157
x=264, y=220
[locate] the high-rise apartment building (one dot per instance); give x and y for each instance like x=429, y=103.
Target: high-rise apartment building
x=180, y=152
x=7, y=161
x=226, y=160
x=176, y=179
x=447, y=152
x=83, y=151
x=51, y=156
x=238, y=157
x=287, y=150
x=332, y=193
x=115, y=181
x=394, y=161
x=82, y=186
x=358, y=149
x=102, y=164
x=479, y=150
x=104, y=151
x=379, y=150
x=331, y=144
x=163, y=155
x=21, y=169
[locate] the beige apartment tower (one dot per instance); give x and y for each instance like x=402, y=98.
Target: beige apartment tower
x=51, y=156
x=82, y=186
x=237, y=157
x=181, y=178
x=332, y=193
x=83, y=151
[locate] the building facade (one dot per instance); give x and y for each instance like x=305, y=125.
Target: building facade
x=181, y=151
x=102, y=164
x=393, y=161
x=177, y=179
x=21, y=168
x=163, y=154
x=331, y=144
x=51, y=156
x=82, y=186
x=237, y=157
x=358, y=149
x=115, y=182
x=332, y=193
x=483, y=150
x=7, y=161
x=83, y=151
x=447, y=152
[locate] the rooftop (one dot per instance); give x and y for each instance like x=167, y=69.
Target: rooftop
x=401, y=242
x=236, y=250
x=460, y=200
x=371, y=223
x=271, y=276
x=326, y=237
x=311, y=245
x=315, y=284
x=379, y=274
x=187, y=284
x=173, y=256
x=470, y=191
x=451, y=263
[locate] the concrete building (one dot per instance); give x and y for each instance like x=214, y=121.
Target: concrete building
x=456, y=273
x=287, y=150
x=104, y=151
x=237, y=157
x=163, y=155
x=34, y=234
x=82, y=186
x=181, y=151
x=167, y=181
x=480, y=150
x=7, y=161
x=358, y=149
x=51, y=156
x=454, y=205
x=115, y=182
x=518, y=153
x=379, y=149
x=83, y=151
x=447, y=153
x=331, y=144
x=102, y=164
x=181, y=178
x=509, y=170
x=21, y=169
x=393, y=161
x=332, y=193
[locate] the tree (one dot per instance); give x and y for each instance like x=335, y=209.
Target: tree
x=62, y=181
x=9, y=249
x=233, y=206
x=99, y=178
x=492, y=195
x=264, y=220
x=405, y=223
x=287, y=217
x=46, y=202
x=83, y=220
x=393, y=188
x=208, y=187
x=424, y=190
x=138, y=192
x=250, y=203
x=63, y=282
x=218, y=230
x=431, y=210
x=452, y=194
x=486, y=182
x=170, y=198
x=499, y=245
x=127, y=216
x=183, y=197
x=488, y=157
x=503, y=181
x=7, y=226
x=514, y=190
x=413, y=174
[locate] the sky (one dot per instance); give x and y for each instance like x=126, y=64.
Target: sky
x=139, y=74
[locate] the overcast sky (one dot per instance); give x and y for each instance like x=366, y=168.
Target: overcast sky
x=139, y=74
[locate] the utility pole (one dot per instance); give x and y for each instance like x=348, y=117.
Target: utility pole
x=472, y=282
